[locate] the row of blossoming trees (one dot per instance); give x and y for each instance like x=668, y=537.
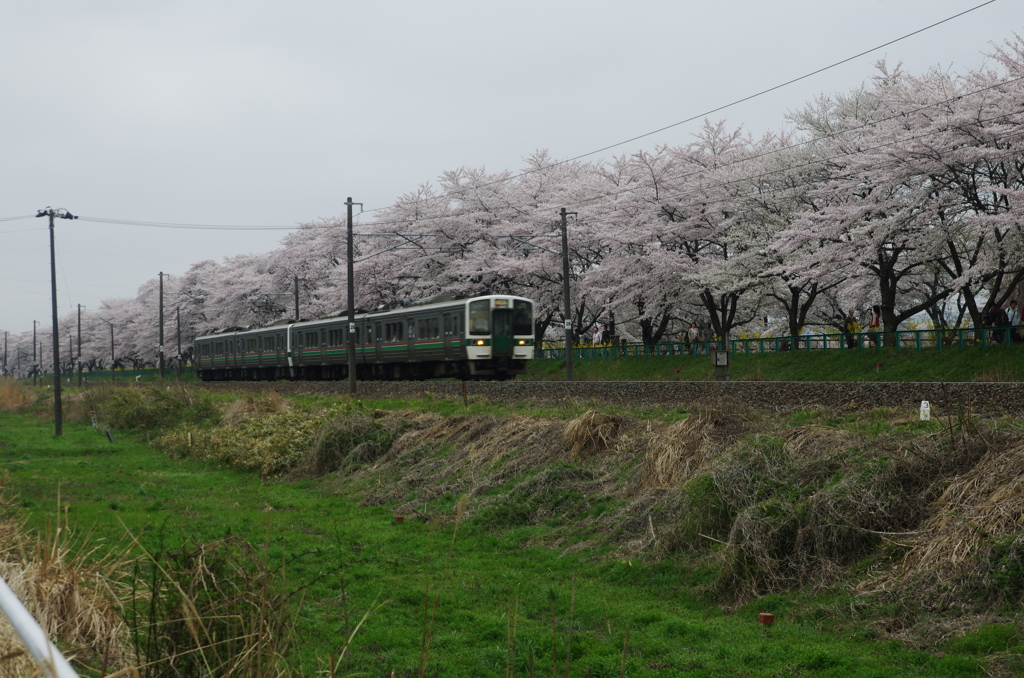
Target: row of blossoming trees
x=906, y=193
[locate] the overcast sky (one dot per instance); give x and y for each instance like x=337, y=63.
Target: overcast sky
x=271, y=113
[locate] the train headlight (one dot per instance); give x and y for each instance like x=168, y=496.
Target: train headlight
x=522, y=342
x=479, y=342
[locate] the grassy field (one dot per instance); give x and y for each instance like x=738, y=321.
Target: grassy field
x=993, y=363
x=460, y=587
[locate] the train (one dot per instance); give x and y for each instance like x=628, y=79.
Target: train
x=481, y=337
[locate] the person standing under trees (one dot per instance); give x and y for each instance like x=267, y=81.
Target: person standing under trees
x=691, y=337
x=850, y=329
x=875, y=323
x=1013, y=322
x=709, y=336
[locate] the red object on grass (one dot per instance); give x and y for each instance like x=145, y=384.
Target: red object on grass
x=766, y=618
x=398, y=519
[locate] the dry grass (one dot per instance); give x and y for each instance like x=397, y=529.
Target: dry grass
x=591, y=434
x=677, y=452
x=13, y=396
x=952, y=552
x=75, y=601
x=253, y=406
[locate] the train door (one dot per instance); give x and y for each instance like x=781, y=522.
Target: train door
x=410, y=338
x=370, y=344
x=502, y=332
x=450, y=336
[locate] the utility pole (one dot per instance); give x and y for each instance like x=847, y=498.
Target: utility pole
x=566, y=307
x=296, y=298
x=34, y=363
x=112, y=372
x=177, y=324
x=79, y=346
x=58, y=417
x=351, y=305
x=161, y=321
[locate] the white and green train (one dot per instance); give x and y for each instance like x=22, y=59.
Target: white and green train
x=485, y=337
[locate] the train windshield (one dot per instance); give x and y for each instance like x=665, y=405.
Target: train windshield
x=522, y=317
x=480, y=317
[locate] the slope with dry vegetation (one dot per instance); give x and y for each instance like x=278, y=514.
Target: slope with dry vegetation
x=917, y=524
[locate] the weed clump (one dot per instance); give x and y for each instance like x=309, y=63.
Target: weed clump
x=270, y=444
x=972, y=546
x=73, y=597
x=254, y=406
x=210, y=609
x=344, y=442
x=141, y=408
x=13, y=396
x=592, y=433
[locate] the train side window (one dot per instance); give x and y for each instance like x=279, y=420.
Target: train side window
x=358, y=334
x=447, y=325
x=379, y=335
x=412, y=329
x=480, y=317
x=435, y=326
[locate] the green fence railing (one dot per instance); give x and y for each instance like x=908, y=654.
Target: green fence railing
x=900, y=340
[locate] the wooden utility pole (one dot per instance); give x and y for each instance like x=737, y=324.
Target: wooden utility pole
x=566, y=304
x=160, y=349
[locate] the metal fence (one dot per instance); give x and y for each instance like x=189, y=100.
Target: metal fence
x=900, y=340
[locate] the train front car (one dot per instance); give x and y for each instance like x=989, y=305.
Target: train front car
x=499, y=336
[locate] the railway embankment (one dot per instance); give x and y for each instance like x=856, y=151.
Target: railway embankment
x=945, y=397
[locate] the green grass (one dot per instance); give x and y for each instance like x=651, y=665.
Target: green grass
x=994, y=363
x=485, y=575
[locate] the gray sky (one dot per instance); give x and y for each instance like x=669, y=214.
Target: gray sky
x=271, y=113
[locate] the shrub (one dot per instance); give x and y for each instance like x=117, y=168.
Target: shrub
x=347, y=441
x=138, y=408
x=318, y=442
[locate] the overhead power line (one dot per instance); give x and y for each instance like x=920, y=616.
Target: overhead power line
x=717, y=109
x=206, y=227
